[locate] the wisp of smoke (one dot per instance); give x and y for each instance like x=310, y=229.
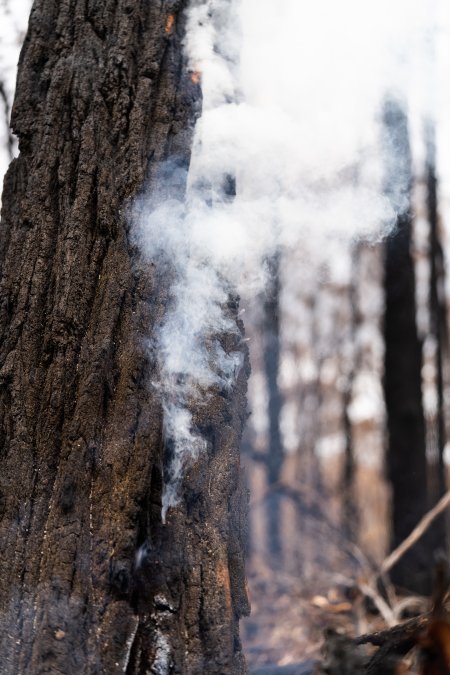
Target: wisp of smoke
x=286, y=157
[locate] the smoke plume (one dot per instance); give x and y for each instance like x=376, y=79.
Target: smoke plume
x=287, y=156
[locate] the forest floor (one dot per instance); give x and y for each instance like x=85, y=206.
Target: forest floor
x=289, y=617
x=318, y=621
x=291, y=610
x=333, y=584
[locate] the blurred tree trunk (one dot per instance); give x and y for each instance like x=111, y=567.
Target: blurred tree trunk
x=13, y=22
x=439, y=332
x=350, y=514
x=90, y=579
x=272, y=365
x=406, y=455
x=8, y=145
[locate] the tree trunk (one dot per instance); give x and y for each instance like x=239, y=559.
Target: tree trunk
x=275, y=455
x=438, y=329
x=350, y=513
x=91, y=581
x=406, y=457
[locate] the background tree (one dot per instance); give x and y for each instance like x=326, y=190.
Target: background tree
x=13, y=23
x=274, y=458
x=91, y=581
x=438, y=332
x=406, y=451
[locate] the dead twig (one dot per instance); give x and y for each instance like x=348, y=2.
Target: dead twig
x=416, y=534
x=389, y=611
x=380, y=603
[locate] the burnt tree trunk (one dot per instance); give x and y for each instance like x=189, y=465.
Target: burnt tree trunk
x=275, y=455
x=350, y=514
x=91, y=581
x=406, y=456
x=438, y=329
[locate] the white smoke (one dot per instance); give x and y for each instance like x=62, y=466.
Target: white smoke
x=286, y=157
x=13, y=23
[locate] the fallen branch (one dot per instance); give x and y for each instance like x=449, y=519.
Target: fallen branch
x=389, y=614
x=416, y=534
x=397, y=634
x=380, y=603
x=393, y=644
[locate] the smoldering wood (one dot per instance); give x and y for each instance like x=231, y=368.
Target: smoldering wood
x=90, y=579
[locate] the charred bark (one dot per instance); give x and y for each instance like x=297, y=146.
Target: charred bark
x=90, y=579
x=406, y=456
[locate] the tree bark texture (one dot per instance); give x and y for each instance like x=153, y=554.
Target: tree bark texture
x=90, y=579
x=406, y=456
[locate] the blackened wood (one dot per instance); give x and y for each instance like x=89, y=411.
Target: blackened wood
x=406, y=458
x=439, y=330
x=90, y=580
